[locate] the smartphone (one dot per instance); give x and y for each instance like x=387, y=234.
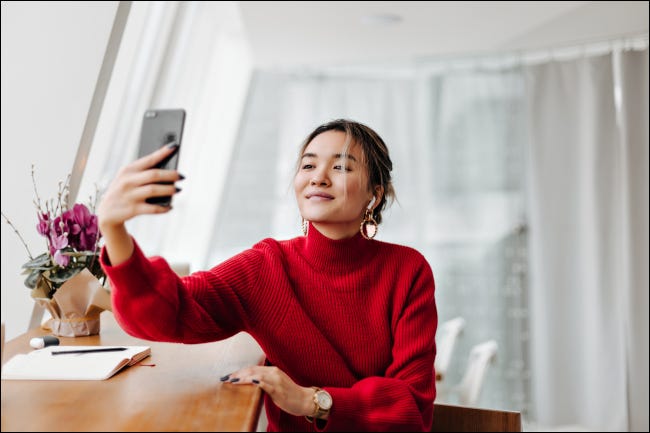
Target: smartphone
x=161, y=128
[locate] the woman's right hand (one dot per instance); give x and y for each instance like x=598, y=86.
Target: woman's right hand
x=125, y=198
x=133, y=184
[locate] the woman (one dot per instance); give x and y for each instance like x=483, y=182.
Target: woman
x=347, y=323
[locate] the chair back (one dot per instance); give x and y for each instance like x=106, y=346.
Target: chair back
x=470, y=386
x=446, y=338
x=448, y=418
x=181, y=268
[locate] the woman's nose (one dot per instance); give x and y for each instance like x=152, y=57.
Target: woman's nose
x=319, y=179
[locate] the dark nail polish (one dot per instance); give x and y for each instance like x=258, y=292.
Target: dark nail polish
x=178, y=189
x=225, y=378
x=256, y=381
x=180, y=176
x=234, y=379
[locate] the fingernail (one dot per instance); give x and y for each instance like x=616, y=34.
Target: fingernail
x=256, y=381
x=234, y=379
x=180, y=176
x=225, y=378
x=173, y=145
x=178, y=189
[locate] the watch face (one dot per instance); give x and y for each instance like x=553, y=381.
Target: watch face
x=324, y=400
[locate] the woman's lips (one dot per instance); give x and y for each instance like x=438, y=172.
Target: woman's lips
x=320, y=196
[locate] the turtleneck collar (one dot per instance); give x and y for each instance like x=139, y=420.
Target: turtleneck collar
x=336, y=255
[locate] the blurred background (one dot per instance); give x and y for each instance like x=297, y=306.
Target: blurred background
x=518, y=132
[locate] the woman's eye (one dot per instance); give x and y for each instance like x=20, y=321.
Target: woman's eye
x=341, y=168
x=307, y=166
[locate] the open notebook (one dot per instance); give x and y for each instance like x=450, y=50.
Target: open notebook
x=43, y=365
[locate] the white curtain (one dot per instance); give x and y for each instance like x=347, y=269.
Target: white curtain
x=587, y=197
x=475, y=228
x=191, y=55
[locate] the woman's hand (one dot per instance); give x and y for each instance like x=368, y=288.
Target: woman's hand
x=125, y=199
x=134, y=183
x=285, y=393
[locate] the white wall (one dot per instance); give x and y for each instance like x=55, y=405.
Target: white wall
x=51, y=56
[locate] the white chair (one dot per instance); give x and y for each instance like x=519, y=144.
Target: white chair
x=446, y=338
x=469, y=389
x=182, y=269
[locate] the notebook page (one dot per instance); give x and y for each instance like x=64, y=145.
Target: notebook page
x=42, y=365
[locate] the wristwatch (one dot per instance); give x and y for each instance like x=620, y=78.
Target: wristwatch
x=322, y=403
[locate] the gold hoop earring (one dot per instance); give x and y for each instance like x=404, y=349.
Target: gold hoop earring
x=368, y=219
x=304, y=226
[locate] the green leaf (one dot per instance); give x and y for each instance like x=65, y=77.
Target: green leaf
x=32, y=279
x=63, y=275
x=40, y=269
x=78, y=253
x=43, y=262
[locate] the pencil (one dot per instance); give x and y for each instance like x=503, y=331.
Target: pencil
x=101, y=349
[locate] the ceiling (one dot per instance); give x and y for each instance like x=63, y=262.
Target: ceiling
x=320, y=33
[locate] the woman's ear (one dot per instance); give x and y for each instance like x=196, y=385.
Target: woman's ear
x=377, y=196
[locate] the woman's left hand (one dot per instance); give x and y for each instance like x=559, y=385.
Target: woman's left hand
x=285, y=393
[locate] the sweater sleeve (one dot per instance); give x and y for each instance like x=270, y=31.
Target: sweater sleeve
x=402, y=400
x=152, y=302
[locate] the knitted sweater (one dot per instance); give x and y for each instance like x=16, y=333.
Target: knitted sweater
x=354, y=317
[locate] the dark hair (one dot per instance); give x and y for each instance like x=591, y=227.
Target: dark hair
x=375, y=154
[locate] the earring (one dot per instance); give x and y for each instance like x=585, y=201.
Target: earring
x=304, y=226
x=368, y=220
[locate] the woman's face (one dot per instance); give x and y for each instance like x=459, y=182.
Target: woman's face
x=331, y=186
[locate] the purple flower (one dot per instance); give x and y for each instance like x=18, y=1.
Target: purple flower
x=43, y=226
x=83, y=227
x=88, y=237
x=75, y=228
x=57, y=243
x=79, y=225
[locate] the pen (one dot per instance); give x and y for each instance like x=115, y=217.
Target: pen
x=101, y=349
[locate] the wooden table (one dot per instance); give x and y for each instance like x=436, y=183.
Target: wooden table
x=181, y=392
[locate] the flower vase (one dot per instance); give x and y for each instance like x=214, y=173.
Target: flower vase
x=76, y=305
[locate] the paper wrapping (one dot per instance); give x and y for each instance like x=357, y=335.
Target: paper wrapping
x=76, y=305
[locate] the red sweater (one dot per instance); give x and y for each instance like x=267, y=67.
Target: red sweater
x=353, y=316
